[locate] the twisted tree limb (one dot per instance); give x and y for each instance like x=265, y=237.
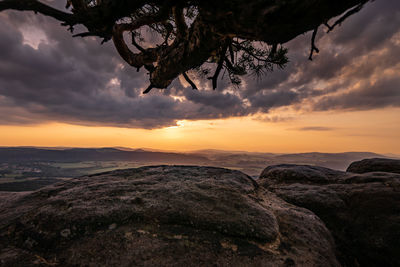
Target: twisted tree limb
x=38, y=7
x=346, y=15
x=194, y=31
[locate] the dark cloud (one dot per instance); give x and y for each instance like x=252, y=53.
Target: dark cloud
x=273, y=118
x=315, y=128
x=265, y=100
x=383, y=93
x=362, y=50
x=79, y=81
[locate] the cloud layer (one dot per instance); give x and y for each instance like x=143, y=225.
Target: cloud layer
x=46, y=75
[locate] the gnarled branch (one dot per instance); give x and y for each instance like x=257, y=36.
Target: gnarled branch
x=38, y=7
x=145, y=57
x=345, y=16
x=199, y=31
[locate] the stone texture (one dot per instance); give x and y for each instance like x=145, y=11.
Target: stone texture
x=361, y=210
x=305, y=174
x=375, y=165
x=160, y=216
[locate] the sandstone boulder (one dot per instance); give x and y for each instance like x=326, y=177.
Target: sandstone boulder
x=361, y=210
x=160, y=216
x=375, y=165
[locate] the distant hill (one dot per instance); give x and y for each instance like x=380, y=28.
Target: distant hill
x=252, y=162
x=339, y=161
x=330, y=155
x=30, y=168
x=24, y=154
x=249, y=162
x=230, y=152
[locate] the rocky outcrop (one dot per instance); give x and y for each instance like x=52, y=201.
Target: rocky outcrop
x=305, y=174
x=361, y=210
x=375, y=165
x=160, y=216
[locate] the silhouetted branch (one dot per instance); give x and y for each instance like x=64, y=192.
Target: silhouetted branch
x=192, y=84
x=181, y=27
x=231, y=52
x=148, y=89
x=138, y=47
x=84, y=34
x=273, y=50
x=38, y=7
x=345, y=16
x=147, y=56
x=313, y=47
x=214, y=78
x=199, y=32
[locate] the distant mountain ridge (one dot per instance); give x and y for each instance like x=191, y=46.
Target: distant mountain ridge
x=249, y=162
x=21, y=154
x=321, y=154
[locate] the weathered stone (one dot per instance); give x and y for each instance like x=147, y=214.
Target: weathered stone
x=361, y=210
x=375, y=165
x=166, y=216
x=305, y=174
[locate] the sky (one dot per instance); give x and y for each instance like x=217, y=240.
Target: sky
x=56, y=90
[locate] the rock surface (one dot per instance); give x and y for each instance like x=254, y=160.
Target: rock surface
x=361, y=210
x=160, y=216
x=290, y=173
x=375, y=165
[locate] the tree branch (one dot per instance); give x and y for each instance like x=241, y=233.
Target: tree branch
x=138, y=47
x=273, y=50
x=208, y=33
x=181, y=27
x=231, y=53
x=84, y=34
x=38, y=7
x=144, y=57
x=248, y=51
x=313, y=47
x=214, y=78
x=345, y=16
x=148, y=89
x=194, y=87
x=78, y=5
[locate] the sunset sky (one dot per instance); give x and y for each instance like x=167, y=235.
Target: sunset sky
x=56, y=90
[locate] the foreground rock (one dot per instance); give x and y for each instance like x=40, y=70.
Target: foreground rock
x=160, y=216
x=375, y=165
x=361, y=210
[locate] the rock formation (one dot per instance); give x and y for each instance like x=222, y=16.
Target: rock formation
x=361, y=210
x=293, y=215
x=160, y=216
x=375, y=165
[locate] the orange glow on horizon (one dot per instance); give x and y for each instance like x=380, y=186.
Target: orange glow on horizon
x=375, y=131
